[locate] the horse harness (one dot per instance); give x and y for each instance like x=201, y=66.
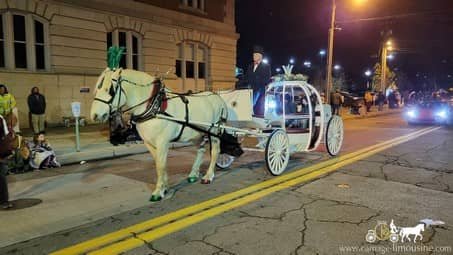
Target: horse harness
x=156, y=104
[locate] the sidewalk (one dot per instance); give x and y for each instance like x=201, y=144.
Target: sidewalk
x=95, y=145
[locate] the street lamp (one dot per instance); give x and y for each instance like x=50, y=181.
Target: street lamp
x=278, y=69
x=322, y=53
x=368, y=73
x=292, y=61
x=265, y=60
x=390, y=57
x=307, y=63
x=337, y=67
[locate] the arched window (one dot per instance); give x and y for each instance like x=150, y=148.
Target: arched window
x=23, y=41
x=132, y=42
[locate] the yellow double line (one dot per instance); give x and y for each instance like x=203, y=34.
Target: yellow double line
x=147, y=231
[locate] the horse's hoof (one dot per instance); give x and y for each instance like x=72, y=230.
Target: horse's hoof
x=203, y=181
x=155, y=198
x=192, y=179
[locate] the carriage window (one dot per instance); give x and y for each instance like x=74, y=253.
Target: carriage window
x=131, y=42
x=297, y=109
x=2, y=43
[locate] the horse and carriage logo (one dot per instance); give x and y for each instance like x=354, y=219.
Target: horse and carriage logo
x=383, y=231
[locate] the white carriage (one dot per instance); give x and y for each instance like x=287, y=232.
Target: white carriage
x=294, y=120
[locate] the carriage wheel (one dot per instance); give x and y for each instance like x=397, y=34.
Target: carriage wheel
x=277, y=152
x=334, y=135
x=224, y=161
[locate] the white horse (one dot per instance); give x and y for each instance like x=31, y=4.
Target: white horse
x=416, y=231
x=117, y=89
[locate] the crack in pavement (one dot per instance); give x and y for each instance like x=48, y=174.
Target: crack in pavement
x=149, y=245
x=350, y=222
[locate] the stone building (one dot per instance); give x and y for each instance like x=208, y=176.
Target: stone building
x=60, y=46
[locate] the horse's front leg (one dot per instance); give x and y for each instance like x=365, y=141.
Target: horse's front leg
x=160, y=154
x=215, y=151
x=195, y=172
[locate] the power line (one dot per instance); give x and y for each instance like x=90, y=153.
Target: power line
x=398, y=16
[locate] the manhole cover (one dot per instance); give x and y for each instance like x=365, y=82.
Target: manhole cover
x=343, y=186
x=23, y=203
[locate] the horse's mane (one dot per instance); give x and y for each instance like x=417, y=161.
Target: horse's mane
x=137, y=76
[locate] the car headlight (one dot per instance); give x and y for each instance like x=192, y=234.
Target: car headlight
x=441, y=114
x=411, y=113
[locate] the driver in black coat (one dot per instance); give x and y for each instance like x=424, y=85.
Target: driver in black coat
x=258, y=76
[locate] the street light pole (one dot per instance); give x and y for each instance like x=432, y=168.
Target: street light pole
x=383, y=67
x=330, y=53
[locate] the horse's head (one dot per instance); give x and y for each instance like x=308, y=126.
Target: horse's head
x=109, y=95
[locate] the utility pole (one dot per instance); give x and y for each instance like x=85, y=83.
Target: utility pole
x=330, y=53
x=383, y=67
x=386, y=47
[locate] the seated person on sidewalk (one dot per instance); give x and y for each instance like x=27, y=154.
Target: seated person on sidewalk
x=42, y=155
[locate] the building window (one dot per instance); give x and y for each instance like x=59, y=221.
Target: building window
x=40, y=46
x=193, y=4
x=132, y=44
x=20, y=43
x=23, y=42
x=191, y=60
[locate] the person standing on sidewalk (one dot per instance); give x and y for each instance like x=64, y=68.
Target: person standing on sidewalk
x=381, y=101
x=8, y=108
x=368, y=101
x=37, y=106
x=336, y=102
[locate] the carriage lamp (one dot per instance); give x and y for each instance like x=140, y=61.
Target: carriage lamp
x=271, y=104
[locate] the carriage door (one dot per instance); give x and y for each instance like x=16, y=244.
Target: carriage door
x=297, y=116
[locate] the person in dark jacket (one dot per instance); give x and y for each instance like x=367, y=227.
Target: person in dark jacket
x=6, y=149
x=258, y=76
x=37, y=106
x=336, y=100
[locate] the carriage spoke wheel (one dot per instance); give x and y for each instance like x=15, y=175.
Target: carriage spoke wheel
x=277, y=152
x=224, y=161
x=334, y=135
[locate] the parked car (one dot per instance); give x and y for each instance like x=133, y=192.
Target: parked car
x=352, y=100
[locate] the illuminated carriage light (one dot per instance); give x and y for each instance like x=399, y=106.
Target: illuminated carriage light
x=271, y=104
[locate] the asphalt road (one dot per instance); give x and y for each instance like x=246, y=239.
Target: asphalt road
x=331, y=213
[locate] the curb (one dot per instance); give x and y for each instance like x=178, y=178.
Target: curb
x=373, y=115
x=108, y=153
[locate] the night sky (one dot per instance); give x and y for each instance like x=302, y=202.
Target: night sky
x=422, y=33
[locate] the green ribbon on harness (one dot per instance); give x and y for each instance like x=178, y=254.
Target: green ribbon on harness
x=114, y=55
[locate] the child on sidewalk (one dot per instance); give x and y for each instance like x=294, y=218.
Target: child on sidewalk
x=42, y=155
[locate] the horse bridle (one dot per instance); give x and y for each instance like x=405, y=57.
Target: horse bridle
x=112, y=93
x=154, y=100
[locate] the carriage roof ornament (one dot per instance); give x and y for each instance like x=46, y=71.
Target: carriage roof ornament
x=288, y=75
x=114, y=55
